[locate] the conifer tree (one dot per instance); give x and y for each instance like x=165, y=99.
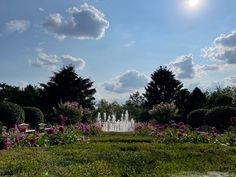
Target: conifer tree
x=163, y=88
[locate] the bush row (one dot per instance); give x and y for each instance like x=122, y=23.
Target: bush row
x=11, y=114
x=219, y=117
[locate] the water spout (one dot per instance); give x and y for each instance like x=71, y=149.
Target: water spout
x=112, y=124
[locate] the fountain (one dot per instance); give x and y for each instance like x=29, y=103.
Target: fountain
x=111, y=124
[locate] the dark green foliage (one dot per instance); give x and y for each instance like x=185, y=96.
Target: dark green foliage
x=197, y=100
x=219, y=117
x=33, y=116
x=135, y=106
x=11, y=113
x=65, y=85
x=218, y=98
x=230, y=91
x=103, y=106
x=163, y=88
x=196, y=118
x=23, y=97
x=182, y=101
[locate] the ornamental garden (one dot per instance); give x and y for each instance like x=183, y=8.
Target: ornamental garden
x=53, y=129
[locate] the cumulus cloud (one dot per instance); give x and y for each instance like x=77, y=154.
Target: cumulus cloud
x=78, y=62
x=212, y=67
x=17, y=25
x=223, y=50
x=128, y=82
x=53, y=61
x=86, y=22
x=183, y=67
x=231, y=80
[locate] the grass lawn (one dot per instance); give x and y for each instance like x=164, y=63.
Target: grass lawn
x=126, y=155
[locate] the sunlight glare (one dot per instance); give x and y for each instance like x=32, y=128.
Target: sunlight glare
x=193, y=3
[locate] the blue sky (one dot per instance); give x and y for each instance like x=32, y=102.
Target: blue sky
x=118, y=43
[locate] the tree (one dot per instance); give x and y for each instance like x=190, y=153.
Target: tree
x=163, y=88
x=182, y=102
x=218, y=98
x=230, y=91
x=65, y=85
x=197, y=100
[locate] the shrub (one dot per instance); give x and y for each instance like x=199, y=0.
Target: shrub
x=33, y=116
x=196, y=118
x=219, y=117
x=11, y=113
x=163, y=112
x=72, y=110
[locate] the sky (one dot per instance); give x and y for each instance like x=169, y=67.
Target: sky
x=118, y=44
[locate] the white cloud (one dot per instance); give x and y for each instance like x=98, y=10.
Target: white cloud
x=78, y=62
x=17, y=25
x=22, y=84
x=86, y=22
x=223, y=50
x=212, y=67
x=128, y=82
x=231, y=80
x=183, y=67
x=129, y=44
x=51, y=62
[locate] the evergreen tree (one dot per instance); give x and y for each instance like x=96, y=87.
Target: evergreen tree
x=197, y=100
x=65, y=85
x=163, y=88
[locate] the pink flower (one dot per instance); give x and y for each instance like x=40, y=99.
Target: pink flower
x=7, y=143
x=51, y=131
x=33, y=141
x=17, y=139
x=213, y=131
x=62, y=129
x=161, y=135
x=63, y=119
x=22, y=129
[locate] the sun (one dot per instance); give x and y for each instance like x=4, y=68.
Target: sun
x=193, y=3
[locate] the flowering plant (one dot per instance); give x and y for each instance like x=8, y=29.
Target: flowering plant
x=72, y=111
x=163, y=112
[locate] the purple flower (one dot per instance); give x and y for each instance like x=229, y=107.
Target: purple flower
x=17, y=139
x=213, y=131
x=33, y=141
x=62, y=129
x=50, y=131
x=7, y=143
x=63, y=119
x=22, y=129
x=233, y=120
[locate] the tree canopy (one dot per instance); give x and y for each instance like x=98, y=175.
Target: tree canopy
x=163, y=88
x=66, y=85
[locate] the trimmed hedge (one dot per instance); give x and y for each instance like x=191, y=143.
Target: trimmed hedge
x=11, y=113
x=196, y=118
x=219, y=117
x=33, y=116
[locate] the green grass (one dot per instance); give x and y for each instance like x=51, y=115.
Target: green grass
x=103, y=157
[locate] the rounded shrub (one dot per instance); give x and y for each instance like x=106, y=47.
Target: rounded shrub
x=219, y=117
x=33, y=116
x=11, y=113
x=196, y=118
